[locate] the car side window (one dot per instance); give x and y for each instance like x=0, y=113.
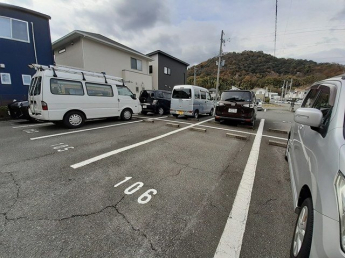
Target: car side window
x=310, y=98
x=160, y=94
x=208, y=96
x=203, y=95
x=196, y=94
x=167, y=95
x=123, y=91
x=322, y=103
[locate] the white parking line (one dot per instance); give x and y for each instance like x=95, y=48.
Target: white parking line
x=84, y=130
x=274, y=137
x=207, y=126
x=231, y=241
x=111, y=153
x=265, y=110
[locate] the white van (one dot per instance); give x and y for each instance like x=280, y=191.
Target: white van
x=190, y=100
x=70, y=96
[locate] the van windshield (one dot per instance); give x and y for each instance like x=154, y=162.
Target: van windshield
x=236, y=96
x=181, y=94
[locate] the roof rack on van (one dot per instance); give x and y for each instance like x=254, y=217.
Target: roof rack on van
x=67, y=69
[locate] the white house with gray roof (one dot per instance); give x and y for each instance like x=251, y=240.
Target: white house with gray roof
x=94, y=52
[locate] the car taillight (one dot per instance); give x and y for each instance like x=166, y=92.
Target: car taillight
x=249, y=105
x=44, y=105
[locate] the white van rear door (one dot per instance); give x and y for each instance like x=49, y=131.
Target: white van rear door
x=35, y=95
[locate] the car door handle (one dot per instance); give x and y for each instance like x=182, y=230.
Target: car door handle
x=301, y=127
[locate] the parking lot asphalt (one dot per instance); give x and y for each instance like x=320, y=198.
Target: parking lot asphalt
x=140, y=189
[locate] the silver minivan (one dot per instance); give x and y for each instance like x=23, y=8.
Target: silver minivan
x=316, y=157
x=191, y=100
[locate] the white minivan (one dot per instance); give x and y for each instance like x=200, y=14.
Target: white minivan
x=190, y=100
x=70, y=96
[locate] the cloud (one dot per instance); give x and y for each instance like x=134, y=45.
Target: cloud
x=339, y=16
x=335, y=55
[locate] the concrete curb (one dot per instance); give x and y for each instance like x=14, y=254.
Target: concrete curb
x=198, y=129
x=237, y=136
x=173, y=125
x=279, y=144
x=278, y=131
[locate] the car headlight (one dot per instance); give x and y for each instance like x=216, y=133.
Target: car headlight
x=154, y=102
x=340, y=189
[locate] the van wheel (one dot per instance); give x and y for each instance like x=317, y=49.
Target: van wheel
x=211, y=112
x=303, y=233
x=196, y=114
x=160, y=111
x=74, y=119
x=126, y=114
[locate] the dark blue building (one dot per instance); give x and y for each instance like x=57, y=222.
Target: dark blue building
x=24, y=39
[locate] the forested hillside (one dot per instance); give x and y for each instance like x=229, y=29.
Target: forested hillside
x=250, y=69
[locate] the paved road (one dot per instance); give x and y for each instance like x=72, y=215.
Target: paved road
x=140, y=189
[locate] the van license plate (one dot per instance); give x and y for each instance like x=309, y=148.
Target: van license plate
x=144, y=106
x=232, y=110
x=180, y=112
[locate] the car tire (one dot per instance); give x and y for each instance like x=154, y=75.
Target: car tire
x=217, y=119
x=196, y=114
x=144, y=112
x=160, y=111
x=74, y=119
x=211, y=112
x=253, y=124
x=300, y=246
x=126, y=114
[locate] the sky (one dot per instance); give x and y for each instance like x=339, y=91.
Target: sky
x=190, y=29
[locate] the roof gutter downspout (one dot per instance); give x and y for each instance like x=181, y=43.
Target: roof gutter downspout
x=33, y=39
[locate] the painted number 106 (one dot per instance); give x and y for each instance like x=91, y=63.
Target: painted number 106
x=145, y=197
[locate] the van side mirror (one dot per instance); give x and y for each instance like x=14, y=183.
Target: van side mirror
x=134, y=96
x=308, y=116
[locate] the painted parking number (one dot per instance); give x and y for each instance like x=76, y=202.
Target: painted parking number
x=145, y=197
x=60, y=147
x=31, y=131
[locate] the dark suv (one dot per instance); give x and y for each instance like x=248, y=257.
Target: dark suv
x=237, y=105
x=156, y=101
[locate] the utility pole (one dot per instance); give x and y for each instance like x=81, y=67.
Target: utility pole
x=275, y=32
x=194, y=75
x=281, y=97
x=219, y=64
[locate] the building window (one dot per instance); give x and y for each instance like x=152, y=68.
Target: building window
x=166, y=70
x=136, y=64
x=26, y=79
x=150, y=69
x=5, y=78
x=14, y=29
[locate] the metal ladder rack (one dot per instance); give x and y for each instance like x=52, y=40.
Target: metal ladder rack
x=71, y=70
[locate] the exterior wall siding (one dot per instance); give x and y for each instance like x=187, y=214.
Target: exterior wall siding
x=101, y=58
x=73, y=56
x=177, y=76
x=155, y=66
x=17, y=55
